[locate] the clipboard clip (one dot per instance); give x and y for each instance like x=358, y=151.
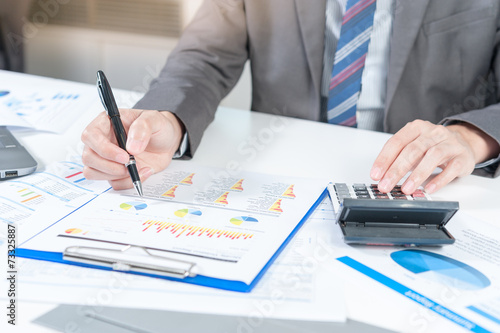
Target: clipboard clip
x=119, y=260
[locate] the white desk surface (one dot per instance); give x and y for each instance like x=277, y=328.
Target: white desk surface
x=276, y=145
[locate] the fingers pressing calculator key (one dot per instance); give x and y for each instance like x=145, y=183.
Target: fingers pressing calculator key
x=370, y=191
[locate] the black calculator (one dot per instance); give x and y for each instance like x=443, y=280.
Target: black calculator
x=369, y=217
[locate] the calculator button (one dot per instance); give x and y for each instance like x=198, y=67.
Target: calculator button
x=382, y=196
x=359, y=187
x=341, y=186
x=358, y=193
x=400, y=197
x=419, y=198
x=363, y=196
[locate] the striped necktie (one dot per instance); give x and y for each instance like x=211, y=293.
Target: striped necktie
x=345, y=83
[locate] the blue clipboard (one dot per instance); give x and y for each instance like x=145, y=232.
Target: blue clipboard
x=181, y=275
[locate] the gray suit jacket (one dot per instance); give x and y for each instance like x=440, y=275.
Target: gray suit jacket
x=444, y=62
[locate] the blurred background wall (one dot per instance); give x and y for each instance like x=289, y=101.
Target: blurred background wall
x=12, y=15
x=128, y=39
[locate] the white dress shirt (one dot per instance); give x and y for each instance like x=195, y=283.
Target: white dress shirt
x=371, y=101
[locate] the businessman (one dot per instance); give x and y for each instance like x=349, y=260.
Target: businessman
x=425, y=70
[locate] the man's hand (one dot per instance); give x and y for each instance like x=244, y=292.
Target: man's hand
x=421, y=146
x=152, y=137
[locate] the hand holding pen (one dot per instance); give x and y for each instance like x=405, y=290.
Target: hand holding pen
x=108, y=100
x=153, y=137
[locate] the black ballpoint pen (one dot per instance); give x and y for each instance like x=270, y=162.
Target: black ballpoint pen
x=109, y=103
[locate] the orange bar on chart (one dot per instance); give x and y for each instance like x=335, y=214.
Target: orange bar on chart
x=171, y=192
x=188, y=180
x=289, y=192
x=223, y=199
x=276, y=207
x=238, y=185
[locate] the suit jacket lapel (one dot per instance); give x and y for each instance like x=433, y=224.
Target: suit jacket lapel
x=408, y=18
x=311, y=16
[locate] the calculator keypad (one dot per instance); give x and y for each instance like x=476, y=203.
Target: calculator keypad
x=370, y=191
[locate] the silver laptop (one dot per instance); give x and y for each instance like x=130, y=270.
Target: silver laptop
x=15, y=160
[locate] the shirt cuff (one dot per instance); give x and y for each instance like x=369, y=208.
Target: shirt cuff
x=487, y=163
x=182, y=147
x=479, y=165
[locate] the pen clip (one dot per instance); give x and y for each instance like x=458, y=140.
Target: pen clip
x=106, y=95
x=99, y=89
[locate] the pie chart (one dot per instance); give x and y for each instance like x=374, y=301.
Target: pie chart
x=133, y=205
x=184, y=212
x=241, y=219
x=441, y=269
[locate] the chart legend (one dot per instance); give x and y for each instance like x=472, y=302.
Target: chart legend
x=27, y=195
x=76, y=177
